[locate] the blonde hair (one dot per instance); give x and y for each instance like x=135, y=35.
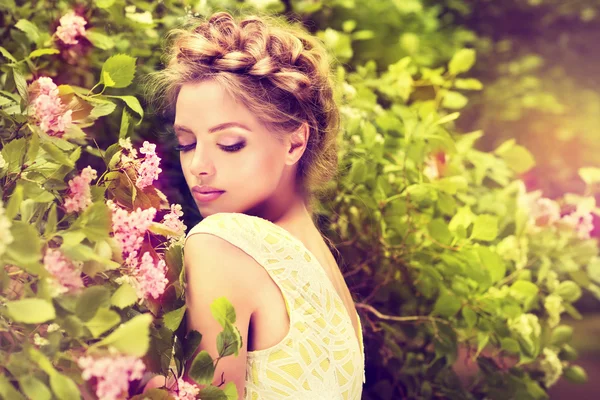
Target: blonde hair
x=280, y=72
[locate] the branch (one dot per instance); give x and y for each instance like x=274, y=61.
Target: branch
x=415, y=318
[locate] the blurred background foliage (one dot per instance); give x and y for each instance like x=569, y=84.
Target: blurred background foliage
x=534, y=80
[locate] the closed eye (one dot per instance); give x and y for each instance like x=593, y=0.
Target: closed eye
x=229, y=149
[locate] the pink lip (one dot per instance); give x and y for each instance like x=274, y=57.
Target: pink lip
x=205, y=197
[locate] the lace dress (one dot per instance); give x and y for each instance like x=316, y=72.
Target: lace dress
x=319, y=358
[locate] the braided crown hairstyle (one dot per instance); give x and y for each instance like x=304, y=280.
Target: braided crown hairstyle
x=280, y=72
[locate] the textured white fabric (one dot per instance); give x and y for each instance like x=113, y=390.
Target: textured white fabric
x=319, y=358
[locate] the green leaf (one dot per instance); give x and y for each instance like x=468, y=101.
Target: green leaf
x=575, y=374
x=34, y=388
x=517, y=157
x=451, y=184
x=120, y=69
x=57, y=154
x=228, y=342
x=102, y=109
x=212, y=393
x=21, y=84
x=104, y=320
x=42, y=52
x=132, y=337
x=493, y=262
x=31, y=311
x=125, y=124
x=25, y=253
x=468, y=84
x=561, y=335
x=510, y=345
x=524, y=289
x=7, y=54
x=13, y=153
x=447, y=305
x=134, y=104
x=439, y=231
x=99, y=40
x=82, y=252
x=95, y=222
x=173, y=318
x=63, y=387
x=485, y=228
x=91, y=300
x=223, y=311
x=103, y=3
x=107, y=80
x=454, y=100
x=231, y=391
x=202, y=369
x=41, y=360
x=7, y=390
x=29, y=28
x=358, y=172
x=125, y=296
x=190, y=344
x=569, y=291
x=462, y=61
x=470, y=316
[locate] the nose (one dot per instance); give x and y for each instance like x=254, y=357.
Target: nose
x=200, y=163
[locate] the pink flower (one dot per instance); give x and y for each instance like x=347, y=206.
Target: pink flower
x=184, y=390
x=47, y=86
x=150, y=280
x=64, y=272
x=544, y=211
x=149, y=170
x=80, y=196
x=581, y=223
x=113, y=374
x=172, y=221
x=129, y=228
x=47, y=108
x=71, y=26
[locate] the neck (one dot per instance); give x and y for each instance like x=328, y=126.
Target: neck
x=289, y=210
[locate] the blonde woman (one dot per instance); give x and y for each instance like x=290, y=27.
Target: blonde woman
x=256, y=125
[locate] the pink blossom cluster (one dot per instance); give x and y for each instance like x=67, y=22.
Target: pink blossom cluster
x=80, y=196
x=149, y=279
x=113, y=374
x=149, y=169
x=71, y=26
x=184, y=390
x=129, y=228
x=64, y=272
x=172, y=221
x=47, y=108
x=544, y=211
x=581, y=223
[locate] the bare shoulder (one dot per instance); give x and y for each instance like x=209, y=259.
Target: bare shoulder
x=220, y=264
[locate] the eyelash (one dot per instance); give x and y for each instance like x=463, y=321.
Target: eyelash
x=229, y=149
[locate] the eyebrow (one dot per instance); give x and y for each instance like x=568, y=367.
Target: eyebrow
x=215, y=128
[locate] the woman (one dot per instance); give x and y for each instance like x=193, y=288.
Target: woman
x=256, y=125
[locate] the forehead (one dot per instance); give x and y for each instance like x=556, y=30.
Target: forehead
x=205, y=104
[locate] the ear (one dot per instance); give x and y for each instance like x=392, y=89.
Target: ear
x=296, y=144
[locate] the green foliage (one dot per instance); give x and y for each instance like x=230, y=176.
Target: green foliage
x=448, y=245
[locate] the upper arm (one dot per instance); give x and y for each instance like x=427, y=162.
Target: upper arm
x=216, y=268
